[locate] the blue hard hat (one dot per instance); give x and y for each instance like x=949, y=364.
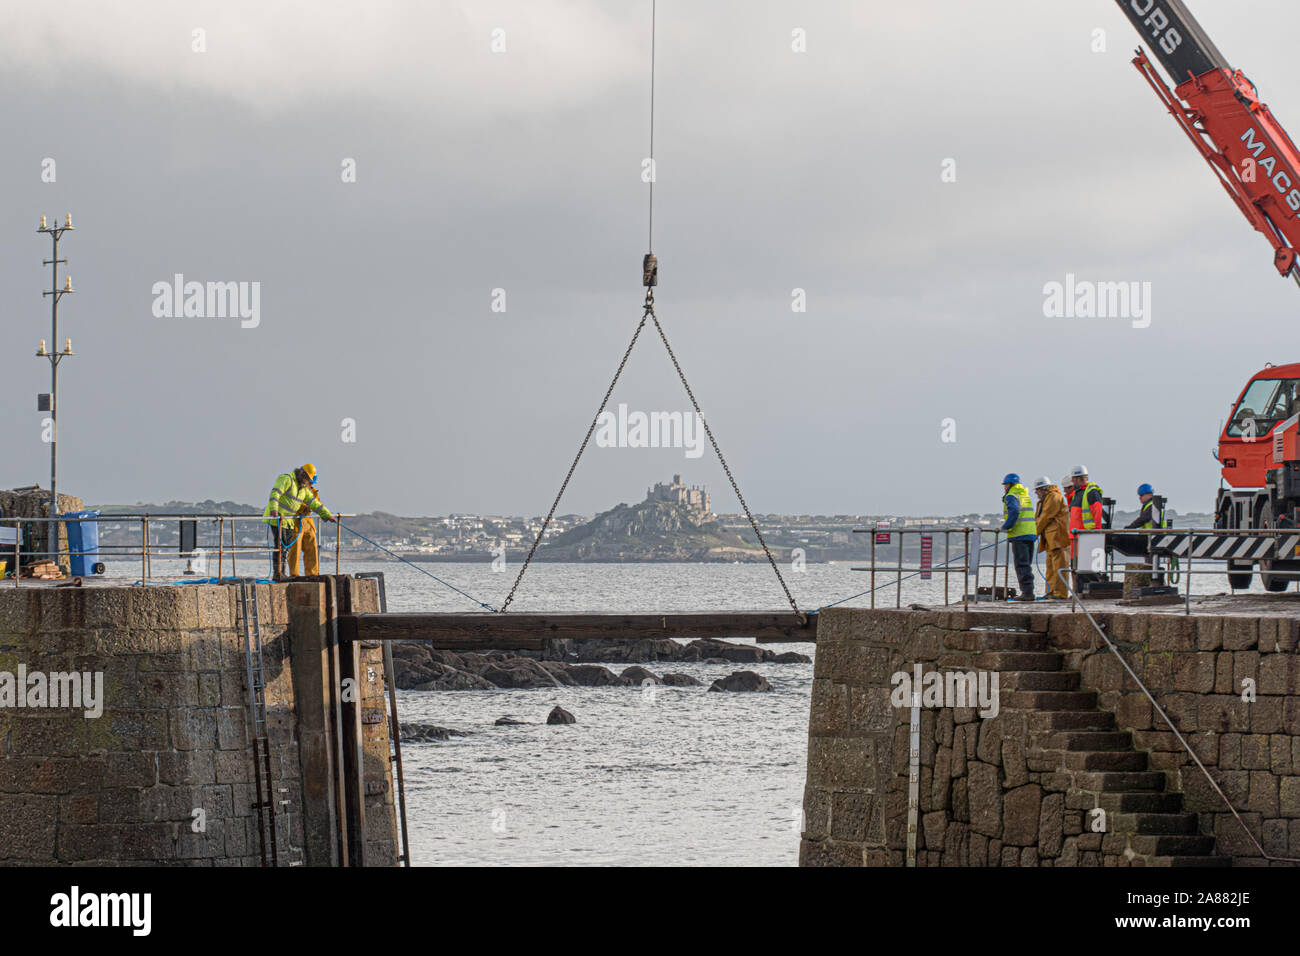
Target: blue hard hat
x=1011, y=479
x=1145, y=489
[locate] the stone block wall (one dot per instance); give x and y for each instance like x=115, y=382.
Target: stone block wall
x=1000, y=792
x=165, y=774
x=1198, y=668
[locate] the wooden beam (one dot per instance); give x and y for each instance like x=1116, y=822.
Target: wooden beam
x=510, y=632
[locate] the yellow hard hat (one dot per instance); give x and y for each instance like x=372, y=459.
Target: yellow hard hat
x=310, y=470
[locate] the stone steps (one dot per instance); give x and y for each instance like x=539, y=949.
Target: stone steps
x=1186, y=861
x=1107, y=760
x=1071, y=720
x=1114, y=781
x=1039, y=680
x=1173, y=844
x=1084, y=740
x=1050, y=699
x=1018, y=661
x=1069, y=732
x=1012, y=641
x=1140, y=802
x=1153, y=823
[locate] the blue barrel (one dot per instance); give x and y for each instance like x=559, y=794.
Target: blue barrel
x=83, y=542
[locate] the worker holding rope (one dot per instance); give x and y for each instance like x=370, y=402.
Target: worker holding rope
x=292, y=498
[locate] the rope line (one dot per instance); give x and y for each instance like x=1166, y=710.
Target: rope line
x=488, y=607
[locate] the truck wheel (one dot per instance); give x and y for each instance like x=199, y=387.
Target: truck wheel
x=1239, y=580
x=1239, y=572
x=1271, y=582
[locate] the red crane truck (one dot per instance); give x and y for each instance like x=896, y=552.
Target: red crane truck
x=1259, y=166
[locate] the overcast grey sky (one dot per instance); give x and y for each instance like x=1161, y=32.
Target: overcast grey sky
x=520, y=170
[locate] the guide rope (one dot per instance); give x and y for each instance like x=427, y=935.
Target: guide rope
x=487, y=607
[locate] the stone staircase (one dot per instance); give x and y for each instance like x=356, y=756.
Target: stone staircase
x=1068, y=734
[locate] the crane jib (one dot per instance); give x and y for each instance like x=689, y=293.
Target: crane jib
x=1176, y=39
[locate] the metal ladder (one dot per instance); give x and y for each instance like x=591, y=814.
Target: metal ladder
x=255, y=678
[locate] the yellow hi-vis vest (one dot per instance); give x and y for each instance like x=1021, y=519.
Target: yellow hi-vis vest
x=1025, y=520
x=1085, y=510
x=288, y=498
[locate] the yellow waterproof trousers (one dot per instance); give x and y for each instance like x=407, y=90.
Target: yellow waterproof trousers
x=1058, y=559
x=306, y=546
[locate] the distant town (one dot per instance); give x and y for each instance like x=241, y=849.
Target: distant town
x=481, y=537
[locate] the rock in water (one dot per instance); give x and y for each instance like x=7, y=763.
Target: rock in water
x=427, y=733
x=519, y=673
x=559, y=715
x=441, y=677
x=741, y=681
x=639, y=675
x=681, y=680
x=594, y=675
x=508, y=722
x=791, y=657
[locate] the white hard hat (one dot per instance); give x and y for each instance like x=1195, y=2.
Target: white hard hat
x=1042, y=481
x=1079, y=471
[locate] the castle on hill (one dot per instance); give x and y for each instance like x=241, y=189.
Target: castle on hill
x=695, y=497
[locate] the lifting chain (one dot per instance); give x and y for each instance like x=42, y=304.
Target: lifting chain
x=803, y=619
x=649, y=310
x=650, y=278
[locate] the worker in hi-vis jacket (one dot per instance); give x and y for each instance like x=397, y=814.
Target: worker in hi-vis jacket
x=1148, y=515
x=1052, y=518
x=293, y=496
x=1018, y=523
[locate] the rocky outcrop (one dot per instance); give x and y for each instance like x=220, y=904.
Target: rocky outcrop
x=741, y=681
x=681, y=680
x=559, y=715
x=567, y=663
x=415, y=733
x=650, y=531
x=442, y=677
x=593, y=675
x=596, y=650
x=518, y=673
x=639, y=675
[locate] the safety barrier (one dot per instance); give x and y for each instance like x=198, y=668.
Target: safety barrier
x=1179, y=553
x=1174, y=554
x=974, y=543
x=220, y=542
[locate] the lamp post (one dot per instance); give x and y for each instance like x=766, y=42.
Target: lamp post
x=55, y=293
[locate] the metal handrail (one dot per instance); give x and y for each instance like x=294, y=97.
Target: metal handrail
x=148, y=549
x=1111, y=568
x=944, y=567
